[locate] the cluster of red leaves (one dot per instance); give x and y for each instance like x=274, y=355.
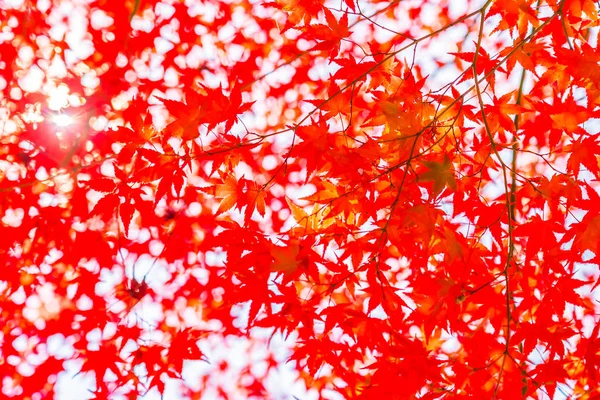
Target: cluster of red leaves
x=420, y=223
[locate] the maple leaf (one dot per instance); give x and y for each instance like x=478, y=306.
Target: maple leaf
x=174, y=180
x=589, y=349
x=309, y=223
x=329, y=35
x=208, y=106
x=497, y=115
x=299, y=10
x=229, y=192
x=577, y=7
x=588, y=234
x=126, y=211
x=106, y=206
x=103, y=185
x=101, y=361
x=440, y=174
x=540, y=234
x=584, y=152
x=184, y=347
x=314, y=143
x=255, y=195
x=333, y=106
x=515, y=14
x=285, y=258
x=351, y=70
x=485, y=64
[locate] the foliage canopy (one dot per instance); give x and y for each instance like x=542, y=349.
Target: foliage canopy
x=406, y=192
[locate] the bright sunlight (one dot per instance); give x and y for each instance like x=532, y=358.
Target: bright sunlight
x=62, y=120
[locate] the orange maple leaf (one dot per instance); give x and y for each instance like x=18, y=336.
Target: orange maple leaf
x=440, y=174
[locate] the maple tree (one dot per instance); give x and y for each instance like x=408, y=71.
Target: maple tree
x=404, y=193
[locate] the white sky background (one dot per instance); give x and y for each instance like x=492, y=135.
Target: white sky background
x=284, y=384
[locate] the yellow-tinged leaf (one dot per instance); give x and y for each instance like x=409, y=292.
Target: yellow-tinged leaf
x=228, y=192
x=308, y=223
x=226, y=204
x=569, y=121
x=229, y=187
x=260, y=203
x=323, y=196
x=297, y=212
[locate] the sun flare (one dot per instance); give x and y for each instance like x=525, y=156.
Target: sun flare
x=62, y=120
